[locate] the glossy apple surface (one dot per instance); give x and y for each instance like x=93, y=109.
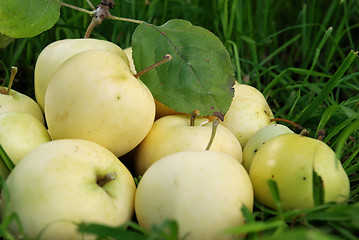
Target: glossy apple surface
x=248, y=112
x=259, y=138
x=290, y=160
x=58, y=185
x=174, y=133
x=20, y=133
x=202, y=190
x=94, y=96
x=56, y=53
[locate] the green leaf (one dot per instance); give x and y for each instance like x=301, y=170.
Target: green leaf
x=199, y=77
x=318, y=189
x=28, y=18
x=5, y=40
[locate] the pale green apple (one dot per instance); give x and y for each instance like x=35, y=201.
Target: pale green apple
x=289, y=160
x=15, y=101
x=62, y=183
x=94, y=96
x=174, y=133
x=54, y=54
x=248, y=112
x=259, y=138
x=20, y=133
x=203, y=191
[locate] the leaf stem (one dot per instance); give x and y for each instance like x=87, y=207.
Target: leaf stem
x=296, y=125
x=165, y=59
x=214, y=130
x=125, y=19
x=91, y=13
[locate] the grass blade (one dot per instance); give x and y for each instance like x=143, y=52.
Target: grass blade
x=328, y=88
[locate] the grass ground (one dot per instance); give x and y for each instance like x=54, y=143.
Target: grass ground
x=298, y=53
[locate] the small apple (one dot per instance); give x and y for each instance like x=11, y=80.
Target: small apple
x=174, y=133
x=289, y=160
x=94, y=96
x=56, y=53
x=259, y=138
x=14, y=101
x=248, y=112
x=20, y=133
x=65, y=182
x=203, y=191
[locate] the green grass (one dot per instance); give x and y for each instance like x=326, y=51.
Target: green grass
x=298, y=53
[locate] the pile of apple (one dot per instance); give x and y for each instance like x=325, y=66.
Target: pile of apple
x=68, y=166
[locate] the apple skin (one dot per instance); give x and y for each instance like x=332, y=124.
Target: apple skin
x=94, y=96
x=173, y=133
x=18, y=102
x=20, y=133
x=55, y=186
x=56, y=53
x=289, y=159
x=202, y=190
x=249, y=112
x=259, y=138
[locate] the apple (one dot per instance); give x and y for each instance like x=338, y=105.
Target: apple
x=203, y=191
x=20, y=133
x=248, y=112
x=14, y=101
x=289, y=160
x=94, y=96
x=128, y=52
x=65, y=182
x=161, y=109
x=56, y=53
x=259, y=138
x=174, y=133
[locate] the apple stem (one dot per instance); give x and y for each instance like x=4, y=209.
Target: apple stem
x=195, y=114
x=11, y=80
x=100, y=13
x=296, y=125
x=165, y=59
x=321, y=134
x=304, y=132
x=107, y=178
x=214, y=130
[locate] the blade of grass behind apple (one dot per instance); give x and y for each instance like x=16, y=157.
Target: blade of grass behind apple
x=6, y=159
x=327, y=89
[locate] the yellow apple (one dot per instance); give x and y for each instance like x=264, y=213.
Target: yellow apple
x=53, y=55
x=174, y=133
x=290, y=159
x=94, y=96
x=248, y=112
x=203, y=191
x=65, y=182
